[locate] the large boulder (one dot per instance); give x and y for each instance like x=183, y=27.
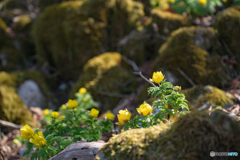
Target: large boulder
x=227, y=25
x=108, y=78
x=196, y=52
x=73, y=32
x=185, y=138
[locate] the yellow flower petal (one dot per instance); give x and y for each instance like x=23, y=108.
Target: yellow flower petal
x=110, y=116
x=82, y=90
x=72, y=103
x=145, y=109
x=202, y=2
x=46, y=112
x=55, y=114
x=94, y=112
x=123, y=117
x=157, y=77
x=26, y=132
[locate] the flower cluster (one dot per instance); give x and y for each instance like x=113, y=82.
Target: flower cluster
x=168, y=104
x=37, y=138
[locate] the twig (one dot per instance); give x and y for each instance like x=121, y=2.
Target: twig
x=186, y=77
x=140, y=74
x=9, y=125
x=133, y=64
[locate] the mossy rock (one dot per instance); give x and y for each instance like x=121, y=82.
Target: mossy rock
x=19, y=77
x=202, y=97
x=12, y=108
x=73, y=32
x=104, y=77
x=194, y=51
x=42, y=4
x=186, y=138
x=167, y=22
x=227, y=25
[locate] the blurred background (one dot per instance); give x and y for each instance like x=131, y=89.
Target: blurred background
x=49, y=49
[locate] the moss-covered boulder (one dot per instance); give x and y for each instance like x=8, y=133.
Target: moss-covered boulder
x=108, y=78
x=17, y=78
x=186, y=138
x=12, y=108
x=42, y=4
x=202, y=97
x=73, y=32
x=167, y=22
x=195, y=51
x=21, y=23
x=227, y=25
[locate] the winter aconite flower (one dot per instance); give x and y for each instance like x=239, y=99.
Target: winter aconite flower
x=123, y=117
x=157, y=77
x=94, y=112
x=110, y=116
x=171, y=1
x=26, y=132
x=46, y=112
x=64, y=106
x=38, y=139
x=55, y=115
x=82, y=90
x=62, y=117
x=145, y=109
x=202, y=2
x=72, y=103
x=177, y=88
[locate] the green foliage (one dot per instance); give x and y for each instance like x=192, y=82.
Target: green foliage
x=170, y=103
x=77, y=125
x=193, y=7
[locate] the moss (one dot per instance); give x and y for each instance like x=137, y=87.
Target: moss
x=105, y=77
x=73, y=32
x=186, y=138
x=193, y=50
x=45, y=3
x=202, y=97
x=22, y=23
x=227, y=25
x=8, y=79
x=12, y=108
x=168, y=22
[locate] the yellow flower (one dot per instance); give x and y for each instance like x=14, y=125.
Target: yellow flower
x=55, y=114
x=46, y=112
x=38, y=139
x=26, y=132
x=75, y=109
x=177, y=88
x=85, y=99
x=64, y=106
x=62, y=117
x=17, y=142
x=202, y=2
x=72, y=103
x=110, y=116
x=145, y=109
x=157, y=77
x=171, y=1
x=123, y=117
x=94, y=112
x=82, y=90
